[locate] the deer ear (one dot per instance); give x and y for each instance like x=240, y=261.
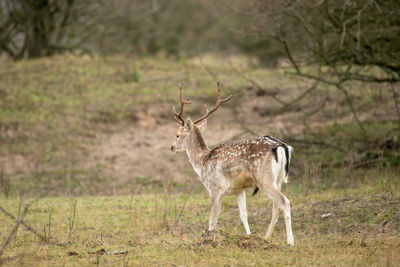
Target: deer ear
x=188, y=124
x=202, y=125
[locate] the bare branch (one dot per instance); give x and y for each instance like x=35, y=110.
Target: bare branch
x=353, y=111
x=259, y=87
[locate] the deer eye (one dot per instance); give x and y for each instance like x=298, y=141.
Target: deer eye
x=177, y=136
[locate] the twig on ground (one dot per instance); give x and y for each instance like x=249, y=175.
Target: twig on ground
x=184, y=204
x=28, y=227
x=122, y=252
x=14, y=230
x=71, y=221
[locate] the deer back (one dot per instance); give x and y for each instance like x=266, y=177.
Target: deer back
x=248, y=153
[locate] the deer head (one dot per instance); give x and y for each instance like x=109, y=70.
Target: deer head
x=187, y=128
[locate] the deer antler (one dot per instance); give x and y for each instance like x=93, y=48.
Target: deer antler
x=178, y=116
x=219, y=101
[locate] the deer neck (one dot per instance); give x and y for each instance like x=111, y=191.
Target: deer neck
x=196, y=149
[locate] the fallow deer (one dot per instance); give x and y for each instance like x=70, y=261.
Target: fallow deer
x=262, y=162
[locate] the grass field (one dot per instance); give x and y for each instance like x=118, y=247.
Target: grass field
x=84, y=143
x=168, y=229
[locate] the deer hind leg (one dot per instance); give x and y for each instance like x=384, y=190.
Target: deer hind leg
x=281, y=201
x=275, y=208
x=274, y=220
x=241, y=199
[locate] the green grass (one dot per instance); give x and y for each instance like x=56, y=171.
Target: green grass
x=167, y=229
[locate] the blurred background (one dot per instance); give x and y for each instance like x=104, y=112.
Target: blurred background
x=87, y=89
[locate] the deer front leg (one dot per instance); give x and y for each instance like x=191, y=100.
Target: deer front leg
x=216, y=199
x=241, y=199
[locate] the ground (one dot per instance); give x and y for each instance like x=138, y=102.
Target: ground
x=355, y=226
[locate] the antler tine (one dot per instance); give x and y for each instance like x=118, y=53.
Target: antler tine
x=226, y=99
x=217, y=104
x=178, y=116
